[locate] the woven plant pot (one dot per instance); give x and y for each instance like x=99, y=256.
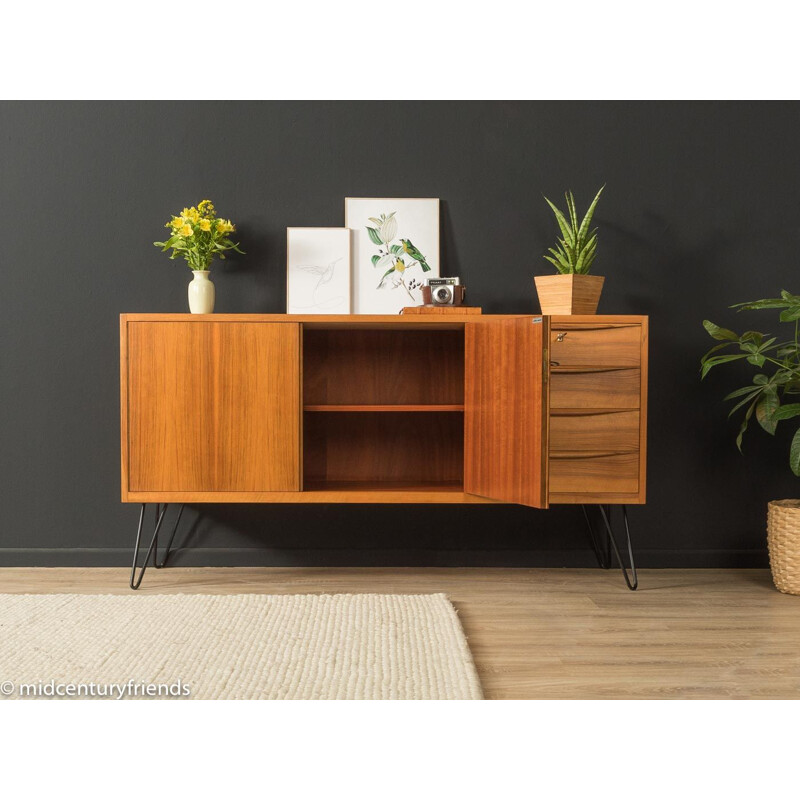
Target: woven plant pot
x=783, y=540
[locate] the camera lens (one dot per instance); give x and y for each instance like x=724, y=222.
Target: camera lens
x=442, y=294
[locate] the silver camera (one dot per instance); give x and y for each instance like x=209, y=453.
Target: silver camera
x=443, y=292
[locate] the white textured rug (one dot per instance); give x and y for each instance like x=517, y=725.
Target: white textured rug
x=247, y=646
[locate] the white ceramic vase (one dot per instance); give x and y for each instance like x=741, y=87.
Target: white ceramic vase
x=201, y=292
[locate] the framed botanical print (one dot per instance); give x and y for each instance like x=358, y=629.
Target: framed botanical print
x=317, y=271
x=395, y=248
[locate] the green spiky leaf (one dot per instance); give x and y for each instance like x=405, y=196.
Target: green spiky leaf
x=566, y=231
x=587, y=220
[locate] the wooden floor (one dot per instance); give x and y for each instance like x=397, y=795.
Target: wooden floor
x=548, y=633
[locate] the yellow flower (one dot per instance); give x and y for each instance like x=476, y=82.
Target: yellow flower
x=225, y=226
x=205, y=225
x=206, y=208
x=186, y=230
x=175, y=222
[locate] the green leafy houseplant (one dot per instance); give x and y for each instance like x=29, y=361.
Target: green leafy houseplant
x=575, y=251
x=777, y=383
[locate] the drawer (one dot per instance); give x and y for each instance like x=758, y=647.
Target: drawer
x=597, y=389
x=595, y=474
x=594, y=432
x=596, y=346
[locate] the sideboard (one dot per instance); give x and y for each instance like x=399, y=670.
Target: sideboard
x=275, y=408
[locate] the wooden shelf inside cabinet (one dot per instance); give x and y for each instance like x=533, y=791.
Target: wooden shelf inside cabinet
x=383, y=486
x=385, y=408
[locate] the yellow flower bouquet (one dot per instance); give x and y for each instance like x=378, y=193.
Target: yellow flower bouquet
x=198, y=235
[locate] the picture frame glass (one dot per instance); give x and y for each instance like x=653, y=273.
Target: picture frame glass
x=318, y=267
x=395, y=248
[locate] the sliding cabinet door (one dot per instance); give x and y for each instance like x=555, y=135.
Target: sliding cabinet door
x=505, y=410
x=212, y=407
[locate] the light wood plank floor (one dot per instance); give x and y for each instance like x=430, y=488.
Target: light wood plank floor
x=548, y=633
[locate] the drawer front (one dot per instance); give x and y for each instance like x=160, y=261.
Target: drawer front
x=593, y=474
x=612, y=388
x=594, y=432
x=596, y=346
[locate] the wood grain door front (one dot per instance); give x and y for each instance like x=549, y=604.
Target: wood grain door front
x=213, y=406
x=505, y=410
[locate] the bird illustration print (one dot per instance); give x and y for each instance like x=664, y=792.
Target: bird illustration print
x=415, y=254
x=395, y=257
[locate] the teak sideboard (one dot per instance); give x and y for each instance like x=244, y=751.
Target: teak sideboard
x=261, y=408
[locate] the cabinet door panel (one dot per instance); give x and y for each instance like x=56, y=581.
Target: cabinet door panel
x=505, y=410
x=213, y=406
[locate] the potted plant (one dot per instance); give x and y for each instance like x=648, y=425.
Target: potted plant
x=771, y=397
x=573, y=290
x=198, y=235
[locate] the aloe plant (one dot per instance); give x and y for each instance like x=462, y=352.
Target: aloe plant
x=767, y=395
x=576, y=249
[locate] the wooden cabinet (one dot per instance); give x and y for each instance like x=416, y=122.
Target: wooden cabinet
x=411, y=409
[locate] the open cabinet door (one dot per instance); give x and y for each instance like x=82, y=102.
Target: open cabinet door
x=505, y=410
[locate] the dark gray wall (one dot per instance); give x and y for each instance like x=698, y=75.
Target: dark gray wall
x=700, y=212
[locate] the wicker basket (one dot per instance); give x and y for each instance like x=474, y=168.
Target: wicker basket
x=783, y=539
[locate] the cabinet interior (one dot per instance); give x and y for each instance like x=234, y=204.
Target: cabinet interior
x=383, y=408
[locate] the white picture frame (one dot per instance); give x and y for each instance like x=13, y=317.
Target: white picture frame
x=411, y=226
x=318, y=266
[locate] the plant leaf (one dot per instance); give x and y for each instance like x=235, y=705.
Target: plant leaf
x=787, y=412
x=755, y=305
x=794, y=453
x=790, y=314
x=573, y=214
x=566, y=232
x=743, y=427
x=708, y=364
x=744, y=402
x=742, y=391
x=587, y=220
x=766, y=408
x=555, y=263
x=715, y=332
x=374, y=237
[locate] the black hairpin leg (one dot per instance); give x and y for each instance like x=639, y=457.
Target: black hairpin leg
x=604, y=554
x=153, y=549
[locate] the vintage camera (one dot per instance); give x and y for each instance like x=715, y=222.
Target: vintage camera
x=443, y=292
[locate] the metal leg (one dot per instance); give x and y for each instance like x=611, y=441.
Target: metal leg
x=169, y=543
x=603, y=554
x=135, y=582
x=604, y=558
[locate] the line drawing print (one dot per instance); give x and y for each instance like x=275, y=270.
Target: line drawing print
x=326, y=275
